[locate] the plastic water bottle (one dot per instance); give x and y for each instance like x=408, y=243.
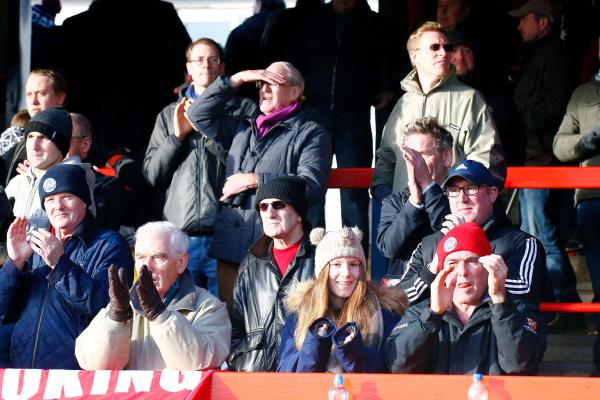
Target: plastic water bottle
x=338, y=391
x=477, y=390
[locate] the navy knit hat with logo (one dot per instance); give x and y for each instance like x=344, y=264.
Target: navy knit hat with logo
x=64, y=178
x=54, y=123
x=290, y=189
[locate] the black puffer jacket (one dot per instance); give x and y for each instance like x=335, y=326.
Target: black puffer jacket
x=258, y=312
x=192, y=171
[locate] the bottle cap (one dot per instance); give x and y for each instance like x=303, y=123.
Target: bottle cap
x=477, y=377
x=338, y=379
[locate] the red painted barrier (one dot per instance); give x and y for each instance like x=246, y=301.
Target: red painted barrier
x=286, y=386
x=516, y=177
x=570, y=307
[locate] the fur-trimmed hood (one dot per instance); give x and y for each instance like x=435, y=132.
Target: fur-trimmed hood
x=390, y=298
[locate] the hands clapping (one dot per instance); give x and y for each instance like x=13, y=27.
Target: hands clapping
x=44, y=243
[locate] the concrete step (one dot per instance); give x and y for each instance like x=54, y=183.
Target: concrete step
x=568, y=354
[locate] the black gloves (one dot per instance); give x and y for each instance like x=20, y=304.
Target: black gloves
x=149, y=298
x=119, y=309
x=589, y=144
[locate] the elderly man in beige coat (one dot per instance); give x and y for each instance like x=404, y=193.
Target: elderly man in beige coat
x=164, y=321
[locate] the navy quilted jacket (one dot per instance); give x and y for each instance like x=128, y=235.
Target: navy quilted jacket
x=50, y=308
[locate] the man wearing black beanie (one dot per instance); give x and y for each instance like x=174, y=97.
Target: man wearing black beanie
x=282, y=256
x=48, y=136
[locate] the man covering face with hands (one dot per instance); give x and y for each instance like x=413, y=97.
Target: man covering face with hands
x=468, y=324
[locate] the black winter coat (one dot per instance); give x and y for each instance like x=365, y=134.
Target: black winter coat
x=344, y=60
x=294, y=146
x=402, y=225
x=192, y=171
x=506, y=338
x=258, y=313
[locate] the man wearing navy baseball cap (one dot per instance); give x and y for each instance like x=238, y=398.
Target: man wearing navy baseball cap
x=468, y=324
x=62, y=271
x=472, y=192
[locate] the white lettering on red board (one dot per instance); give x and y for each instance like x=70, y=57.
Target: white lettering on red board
x=22, y=384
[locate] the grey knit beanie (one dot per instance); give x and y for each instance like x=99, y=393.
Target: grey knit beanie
x=291, y=189
x=54, y=123
x=335, y=244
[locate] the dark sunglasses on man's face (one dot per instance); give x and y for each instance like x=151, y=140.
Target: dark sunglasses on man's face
x=277, y=205
x=436, y=46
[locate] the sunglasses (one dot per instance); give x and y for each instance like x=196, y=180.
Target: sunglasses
x=448, y=48
x=277, y=205
x=260, y=84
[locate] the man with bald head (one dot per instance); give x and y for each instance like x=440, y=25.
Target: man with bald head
x=279, y=141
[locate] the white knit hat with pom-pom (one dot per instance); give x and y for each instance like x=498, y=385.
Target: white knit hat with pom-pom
x=335, y=244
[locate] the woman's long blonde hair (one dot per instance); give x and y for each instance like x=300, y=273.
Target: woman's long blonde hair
x=359, y=307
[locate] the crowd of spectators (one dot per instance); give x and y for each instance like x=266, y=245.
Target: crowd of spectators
x=224, y=192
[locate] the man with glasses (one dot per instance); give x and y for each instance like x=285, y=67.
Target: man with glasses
x=472, y=192
x=432, y=89
x=281, y=257
x=469, y=324
x=419, y=210
x=279, y=141
x=189, y=166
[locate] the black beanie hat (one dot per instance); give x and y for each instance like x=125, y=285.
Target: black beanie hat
x=54, y=123
x=291, y=189
x=65, y=178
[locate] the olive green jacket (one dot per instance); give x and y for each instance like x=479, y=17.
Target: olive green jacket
x=458, y=108
x=583, y=114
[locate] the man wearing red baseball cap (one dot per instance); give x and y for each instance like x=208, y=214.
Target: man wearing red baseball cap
x=468, y=324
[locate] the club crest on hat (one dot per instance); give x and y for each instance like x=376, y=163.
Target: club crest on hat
x=531, y=326
x=450, y=244
x=49, y=185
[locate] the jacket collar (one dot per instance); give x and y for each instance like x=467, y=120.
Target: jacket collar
x=411, y=82
x=263, y=247
x=184, y=299
x=497, y=219
x=296, y=119
x=86, y=230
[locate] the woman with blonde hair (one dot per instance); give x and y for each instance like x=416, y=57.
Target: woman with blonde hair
x=339, y=321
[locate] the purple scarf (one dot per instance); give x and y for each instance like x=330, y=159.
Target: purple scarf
x=264, y=122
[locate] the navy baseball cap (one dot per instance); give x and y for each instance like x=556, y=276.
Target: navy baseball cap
x=473, y=171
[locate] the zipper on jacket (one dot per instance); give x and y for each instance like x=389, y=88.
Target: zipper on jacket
x=37, y=332
x=30, y=197
x=423, y=106
x=335, y=60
